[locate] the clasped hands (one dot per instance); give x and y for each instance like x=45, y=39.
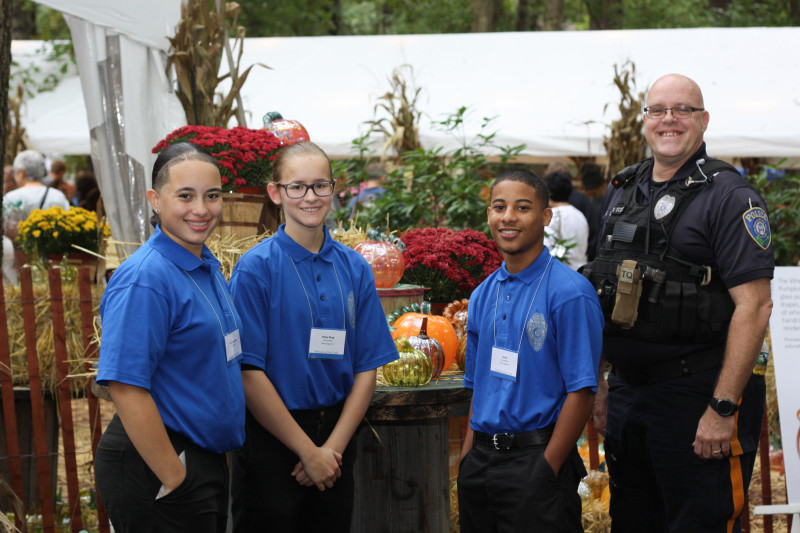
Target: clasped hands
x=321, y=468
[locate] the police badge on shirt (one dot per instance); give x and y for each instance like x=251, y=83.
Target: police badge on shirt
x=757, y=224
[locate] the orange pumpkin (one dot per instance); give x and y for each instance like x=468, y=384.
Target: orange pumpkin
x=439, y=328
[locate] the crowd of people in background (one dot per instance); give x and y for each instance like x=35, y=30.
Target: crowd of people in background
x=27, y=185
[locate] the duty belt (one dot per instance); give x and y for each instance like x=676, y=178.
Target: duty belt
x=671, y=369
x=507, y=441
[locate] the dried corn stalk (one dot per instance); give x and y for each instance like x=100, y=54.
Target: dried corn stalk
x=626, y=145
x=196, y=53
x=401, y=126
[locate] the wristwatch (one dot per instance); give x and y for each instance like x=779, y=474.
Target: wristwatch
x=724, y=406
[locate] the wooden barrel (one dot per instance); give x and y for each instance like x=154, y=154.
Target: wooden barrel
x=247, y=215
x=400, y=296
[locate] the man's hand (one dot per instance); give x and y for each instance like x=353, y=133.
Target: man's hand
x=713, y=438
x=600, y=410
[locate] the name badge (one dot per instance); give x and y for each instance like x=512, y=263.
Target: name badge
x=233, y=345
x=504, y=364
x=326, y=344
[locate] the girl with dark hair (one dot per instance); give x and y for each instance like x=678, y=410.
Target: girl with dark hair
x=171, y=356
x=315, y=335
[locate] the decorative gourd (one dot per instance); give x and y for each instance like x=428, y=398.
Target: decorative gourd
x=456, y=312
x=438, y=327
x=411, y=369
x=461, y=352
x=385, y=258
x=430, y=347
x=287, y=131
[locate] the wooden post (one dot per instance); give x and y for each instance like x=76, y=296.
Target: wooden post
x=592, y=437
x=65, y=398
x=37, y=400
x=766, y=480
x=9, y=411
x=90, y=353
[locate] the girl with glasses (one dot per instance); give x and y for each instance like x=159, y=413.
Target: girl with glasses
x=314, y=335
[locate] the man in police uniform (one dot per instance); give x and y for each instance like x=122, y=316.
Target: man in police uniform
x=683, y=273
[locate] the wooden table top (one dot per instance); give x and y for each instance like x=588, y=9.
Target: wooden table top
x=443, y=398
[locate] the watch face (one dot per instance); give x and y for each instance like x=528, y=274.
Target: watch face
x=724, y=406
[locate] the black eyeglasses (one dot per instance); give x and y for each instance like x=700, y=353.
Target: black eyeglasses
x=299, y=190
x=679, y=111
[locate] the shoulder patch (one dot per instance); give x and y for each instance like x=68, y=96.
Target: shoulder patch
x=757, y=224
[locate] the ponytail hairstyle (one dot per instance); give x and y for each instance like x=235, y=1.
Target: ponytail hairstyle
x=169, y=156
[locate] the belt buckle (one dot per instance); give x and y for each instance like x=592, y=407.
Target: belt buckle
x=502, y=441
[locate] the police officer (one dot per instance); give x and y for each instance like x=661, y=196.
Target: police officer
x=683, y=272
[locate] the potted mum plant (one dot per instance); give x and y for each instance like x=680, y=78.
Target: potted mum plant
x=51, y=233
x=451, y=263
x=245, y=155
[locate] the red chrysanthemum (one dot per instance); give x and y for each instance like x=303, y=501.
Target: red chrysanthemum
x=450, y=262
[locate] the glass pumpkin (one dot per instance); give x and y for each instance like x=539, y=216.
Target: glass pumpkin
x=461, y=352
x=386, y=261
x=430, y=347
x=411, y=369
x=287, y=131
x=439, y=328
x=456, y=312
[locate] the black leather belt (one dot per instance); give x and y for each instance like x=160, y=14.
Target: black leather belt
x=674, y=368
x=507, y=441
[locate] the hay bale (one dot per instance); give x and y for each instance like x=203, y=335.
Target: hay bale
x=76, y=356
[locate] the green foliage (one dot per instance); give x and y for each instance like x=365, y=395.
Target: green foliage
x=50, y=24
x=646, y=14
x=366, y=17
x=431, y=188
x=288, y=19
x=783, y=202
x=743, y=13
x=57, y=51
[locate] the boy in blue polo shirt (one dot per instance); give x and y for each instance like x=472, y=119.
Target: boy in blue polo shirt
x=533, y=349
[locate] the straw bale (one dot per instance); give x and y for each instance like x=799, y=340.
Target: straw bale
x=44, y=334
x=230, y=248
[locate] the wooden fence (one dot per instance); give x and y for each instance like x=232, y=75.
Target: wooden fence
x=39, y=387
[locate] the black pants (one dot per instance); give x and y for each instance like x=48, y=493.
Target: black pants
x=128, y=488
x=658, y=484
x=266, y=497
x=516, y=491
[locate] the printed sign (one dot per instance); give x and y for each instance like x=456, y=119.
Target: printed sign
x=784, y=327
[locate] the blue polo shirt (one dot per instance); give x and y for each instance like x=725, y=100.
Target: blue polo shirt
x=559, y=339
x=164, y=313
x=278, y=286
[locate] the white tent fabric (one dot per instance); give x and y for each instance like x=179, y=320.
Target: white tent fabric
x=119, y=49
x=551, y=91
x=548, y=90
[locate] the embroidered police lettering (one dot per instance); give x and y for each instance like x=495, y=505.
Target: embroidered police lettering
x=617, y=210
x=756, y=223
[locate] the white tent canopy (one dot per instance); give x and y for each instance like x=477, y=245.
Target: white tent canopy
x=551, y=91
